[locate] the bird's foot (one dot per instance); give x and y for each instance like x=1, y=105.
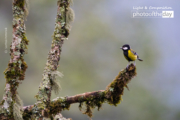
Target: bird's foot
x=134, y=63
x=127, y=67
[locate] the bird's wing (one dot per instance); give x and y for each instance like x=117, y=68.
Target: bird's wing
x=134, y=52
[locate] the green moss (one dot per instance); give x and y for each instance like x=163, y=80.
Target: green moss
x=18, y=13
x=23, y=5
x=20, y=3
x=59, y=105
x=64, y=17
x=92, y=102
x=88, y=109
x=2, y=102
x=12, y=73
x=15, y=70
x=27, y=115
x=24, y=39
x=113, y=93
x=115, y=90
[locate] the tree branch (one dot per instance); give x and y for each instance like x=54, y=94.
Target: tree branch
x=111, y=95
x=84, y=97
x=15, y=72
x=61, y=32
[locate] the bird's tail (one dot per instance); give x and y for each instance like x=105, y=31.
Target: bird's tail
x=139, y=59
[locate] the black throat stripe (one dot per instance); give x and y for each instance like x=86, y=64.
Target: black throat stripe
x=126, y=55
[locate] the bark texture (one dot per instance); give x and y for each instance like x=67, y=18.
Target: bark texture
x=15, y=72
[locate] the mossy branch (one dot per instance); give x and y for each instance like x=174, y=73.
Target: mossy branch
x=64, y=17
x=111, y=95
x=15, y=72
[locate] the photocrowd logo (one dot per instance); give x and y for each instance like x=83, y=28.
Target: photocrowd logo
x=152, y=12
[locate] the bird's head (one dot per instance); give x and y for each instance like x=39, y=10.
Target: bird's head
x=125, y=47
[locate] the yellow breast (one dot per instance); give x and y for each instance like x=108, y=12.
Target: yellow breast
x=131, y=55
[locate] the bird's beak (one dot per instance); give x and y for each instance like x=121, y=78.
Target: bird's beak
x=120, y=47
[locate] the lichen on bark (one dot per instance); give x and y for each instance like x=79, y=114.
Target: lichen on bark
x=60, y=34
x=15, y=72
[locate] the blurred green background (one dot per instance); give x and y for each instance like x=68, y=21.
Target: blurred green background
x=91, y=58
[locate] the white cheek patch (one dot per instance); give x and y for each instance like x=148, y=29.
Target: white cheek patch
x=125, y=48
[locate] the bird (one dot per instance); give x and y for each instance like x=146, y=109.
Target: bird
x=130, y=54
